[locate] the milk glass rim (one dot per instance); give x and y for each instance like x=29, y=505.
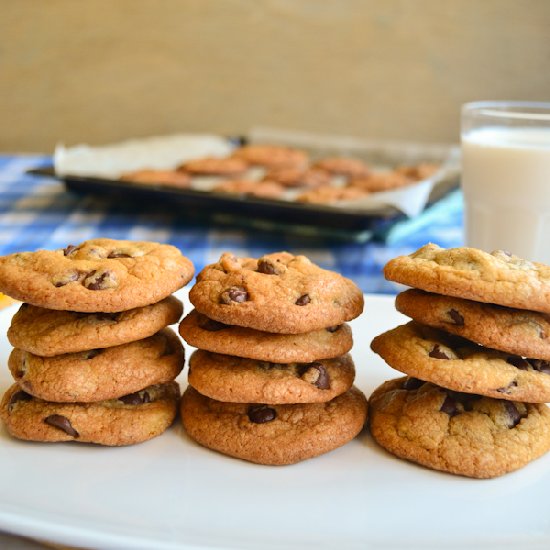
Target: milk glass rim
x=509, y=109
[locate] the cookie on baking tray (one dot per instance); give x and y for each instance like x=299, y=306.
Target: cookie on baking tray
x=214, y=166
x=298, y=177
x=498, y=278
x=202, y=332
x=261, y=189
x=48, y=332
x=343, y=166
x=124, y=421
x=460, y=365
x=99, y=275
x=515, y=331
x=279, y=293
x=326, y=194
x=459, y=433
x=238, y=380
x=273, y=434
x=99, y=374
x=272, y=156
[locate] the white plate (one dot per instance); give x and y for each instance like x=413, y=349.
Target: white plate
x=170, y=493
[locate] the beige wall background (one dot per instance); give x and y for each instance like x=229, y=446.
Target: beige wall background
x=104, y=70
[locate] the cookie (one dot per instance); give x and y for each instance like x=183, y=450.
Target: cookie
x=343, y=166
x=205, y=333
x=417, y=172
x=48, y=332
x=381, y=181
x=237, y=380
x=460, y=365
x=298, y=177
x=171, y=178
x=498, y=278
x=214, y=166
x=515, y=331
x=328, y=194
x=99, y=374
x=279, y=293
x=274, y=435
x=272, y=156
x=124, y=421
x=99, y=275
x=261, y=189
x=463, y=434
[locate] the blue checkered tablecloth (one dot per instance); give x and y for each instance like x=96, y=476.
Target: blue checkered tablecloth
x=37, y=212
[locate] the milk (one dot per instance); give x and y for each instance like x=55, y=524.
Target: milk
x=506, y=183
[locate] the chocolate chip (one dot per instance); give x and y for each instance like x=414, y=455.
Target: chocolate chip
x=514, y=417
x=303, y=300
x=260, y=414
x=90, y=354
x=540, y=365
x=135, y=398
x=465, y=399
x=209, y=324
x=18, y=396
x=236, y=294
x=67, y=278
x=267, y=267
x=518, y=362
x=316, y=374
x=457, y=318
x=412, y=384
x=438, y=353
x=449, y=406
x=334, y=328
x=100, y=280
x=68, y=249
x=61, y=422
x=508, y=388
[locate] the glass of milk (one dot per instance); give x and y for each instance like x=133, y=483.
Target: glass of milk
x=506, y=177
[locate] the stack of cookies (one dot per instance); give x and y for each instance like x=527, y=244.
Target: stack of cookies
x=271, y=381
x=477, y=356
x=93, y=359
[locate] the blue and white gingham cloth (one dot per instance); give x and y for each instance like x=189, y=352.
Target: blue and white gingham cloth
x=37, y=212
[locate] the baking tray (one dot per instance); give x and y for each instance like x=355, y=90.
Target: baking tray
x=255, y=211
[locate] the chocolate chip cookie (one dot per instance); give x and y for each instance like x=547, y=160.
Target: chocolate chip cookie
x=343, y=166
x=205, y=333
x=460, y=365
x=99, y=374
x=99, y=275
x=124, y=421
x=279, y=293
x=459, y=433
x=274, y=434
x=272, y=156
x=237, y=380
x=214, y=166
x=516, y=331
x=169, y=178
x=498, y=278
x=48, y=332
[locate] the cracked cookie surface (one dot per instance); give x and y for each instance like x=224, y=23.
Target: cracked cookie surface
x=457, y=364
x=279, y=293
x=48, y=332
x=237, y=380
x=462, y=434
x=274, y=434
x=516, y=331
x=99, y=275
x=124, y=421
x=99, y=374
x=205, y=333
x=498, y=278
